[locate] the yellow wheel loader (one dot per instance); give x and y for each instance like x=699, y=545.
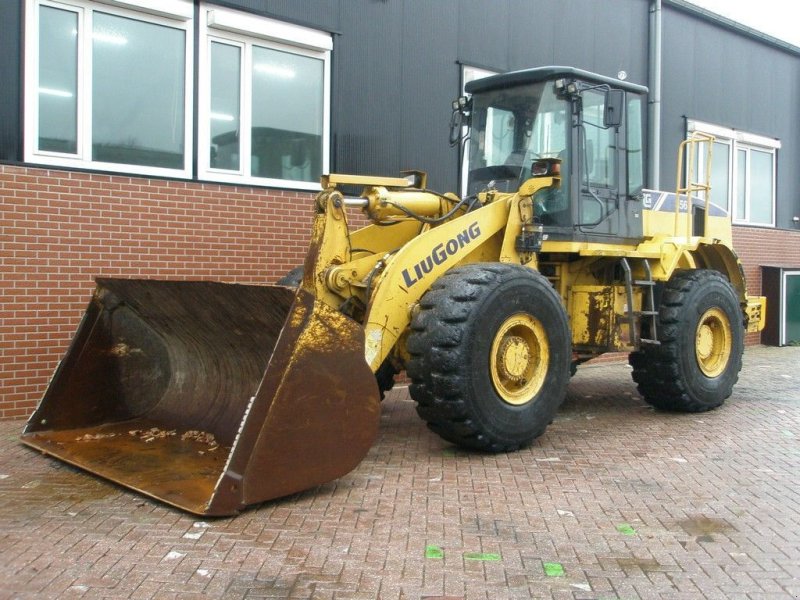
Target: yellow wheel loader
x=212, y=397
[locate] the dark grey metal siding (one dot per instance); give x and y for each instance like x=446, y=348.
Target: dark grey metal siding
x=722, y=77
x=10, y=81
x=323, y=15
x=366, y=88
x=398, y=66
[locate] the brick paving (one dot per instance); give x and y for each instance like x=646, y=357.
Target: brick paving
x=615, y=501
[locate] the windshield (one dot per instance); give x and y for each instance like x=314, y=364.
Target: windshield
x=510, y=129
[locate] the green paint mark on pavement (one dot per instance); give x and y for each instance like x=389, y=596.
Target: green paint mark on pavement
x=553, y=569
x=433, y=552
x=626, y=529
x=481, y=556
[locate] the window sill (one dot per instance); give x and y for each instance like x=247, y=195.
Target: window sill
x=115, y=168
x=754, y=225
x=287, y=184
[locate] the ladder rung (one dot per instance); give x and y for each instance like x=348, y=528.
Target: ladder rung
x=644, y=282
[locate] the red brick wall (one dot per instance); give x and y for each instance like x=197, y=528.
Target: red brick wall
x=61, y=229
x=757, y=246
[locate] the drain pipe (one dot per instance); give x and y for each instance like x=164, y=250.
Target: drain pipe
x=654, y=104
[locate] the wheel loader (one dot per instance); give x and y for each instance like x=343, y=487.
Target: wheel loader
x=212, y=397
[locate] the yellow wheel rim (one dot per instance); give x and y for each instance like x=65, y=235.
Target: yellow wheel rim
x=713, y=342
x=519, y=359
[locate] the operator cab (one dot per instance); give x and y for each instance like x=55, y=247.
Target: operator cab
x=592, y=123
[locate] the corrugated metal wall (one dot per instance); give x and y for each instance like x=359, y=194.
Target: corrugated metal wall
x=398, y=66
x=10, y=81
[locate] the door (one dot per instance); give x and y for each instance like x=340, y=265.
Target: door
x=791, y=308
x=599, y=199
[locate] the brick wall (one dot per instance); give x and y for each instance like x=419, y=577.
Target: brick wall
x=757, y=246
x=61, y=229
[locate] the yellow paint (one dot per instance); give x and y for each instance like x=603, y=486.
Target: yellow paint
x=756, y=311
x=379, y=273
x=334, y=179
x=519, y=359
x=401, y=287
x=713, y=342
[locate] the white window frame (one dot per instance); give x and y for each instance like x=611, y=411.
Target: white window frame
x=177, y=14
x=741, y=140
x=235, y=28
x=749, y=149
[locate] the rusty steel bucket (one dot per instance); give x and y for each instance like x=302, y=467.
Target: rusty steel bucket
x=210, y=396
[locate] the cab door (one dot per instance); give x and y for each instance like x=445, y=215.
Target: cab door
x=601, y=168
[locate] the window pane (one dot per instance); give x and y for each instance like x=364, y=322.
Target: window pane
x=720, y=175
x=500, y=133
x=58, y=80
x=509, y=131
x=634, y=139
x=696, y=171
x=741, y=183
x=137, y=92
x=600, y=142
x=287, y=125
x=760, y=187
x=225, y=90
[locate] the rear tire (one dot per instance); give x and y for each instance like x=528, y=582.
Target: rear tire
x=490, y=356
x=701, y=330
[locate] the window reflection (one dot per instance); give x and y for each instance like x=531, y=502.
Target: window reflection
x=137, y=92
x=58, y=80
x=600, y=142
x=634, y=140
x=720, y=174
x=225, y=102
x=741, y=184
x=287, y=115
x=761, y=192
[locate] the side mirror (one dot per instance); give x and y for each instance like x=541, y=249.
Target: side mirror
x=612, y=115
x=462, y=107
x=455, y=127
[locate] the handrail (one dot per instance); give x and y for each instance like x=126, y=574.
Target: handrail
x=696, y=138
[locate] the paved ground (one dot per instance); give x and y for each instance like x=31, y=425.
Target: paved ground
x=614, y=501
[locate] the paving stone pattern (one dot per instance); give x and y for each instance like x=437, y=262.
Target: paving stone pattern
x=615, y=501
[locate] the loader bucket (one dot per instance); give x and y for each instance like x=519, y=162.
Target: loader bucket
x=209, y=396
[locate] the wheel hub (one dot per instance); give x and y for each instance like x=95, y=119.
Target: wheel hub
x=514, y=358
x=713, y=342
x=519, y=359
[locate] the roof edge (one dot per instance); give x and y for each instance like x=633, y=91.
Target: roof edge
x=730, y=24
x=548, y=73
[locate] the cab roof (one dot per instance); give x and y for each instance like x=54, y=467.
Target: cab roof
x=496, y=82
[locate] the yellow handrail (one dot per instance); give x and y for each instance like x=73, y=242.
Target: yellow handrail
x=693, y=186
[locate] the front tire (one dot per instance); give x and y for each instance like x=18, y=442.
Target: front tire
x=490, y=356
x=701, y=329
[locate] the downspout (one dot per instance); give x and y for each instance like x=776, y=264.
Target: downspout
x=654, y=103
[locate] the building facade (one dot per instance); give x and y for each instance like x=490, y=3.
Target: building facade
x=184, y=139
